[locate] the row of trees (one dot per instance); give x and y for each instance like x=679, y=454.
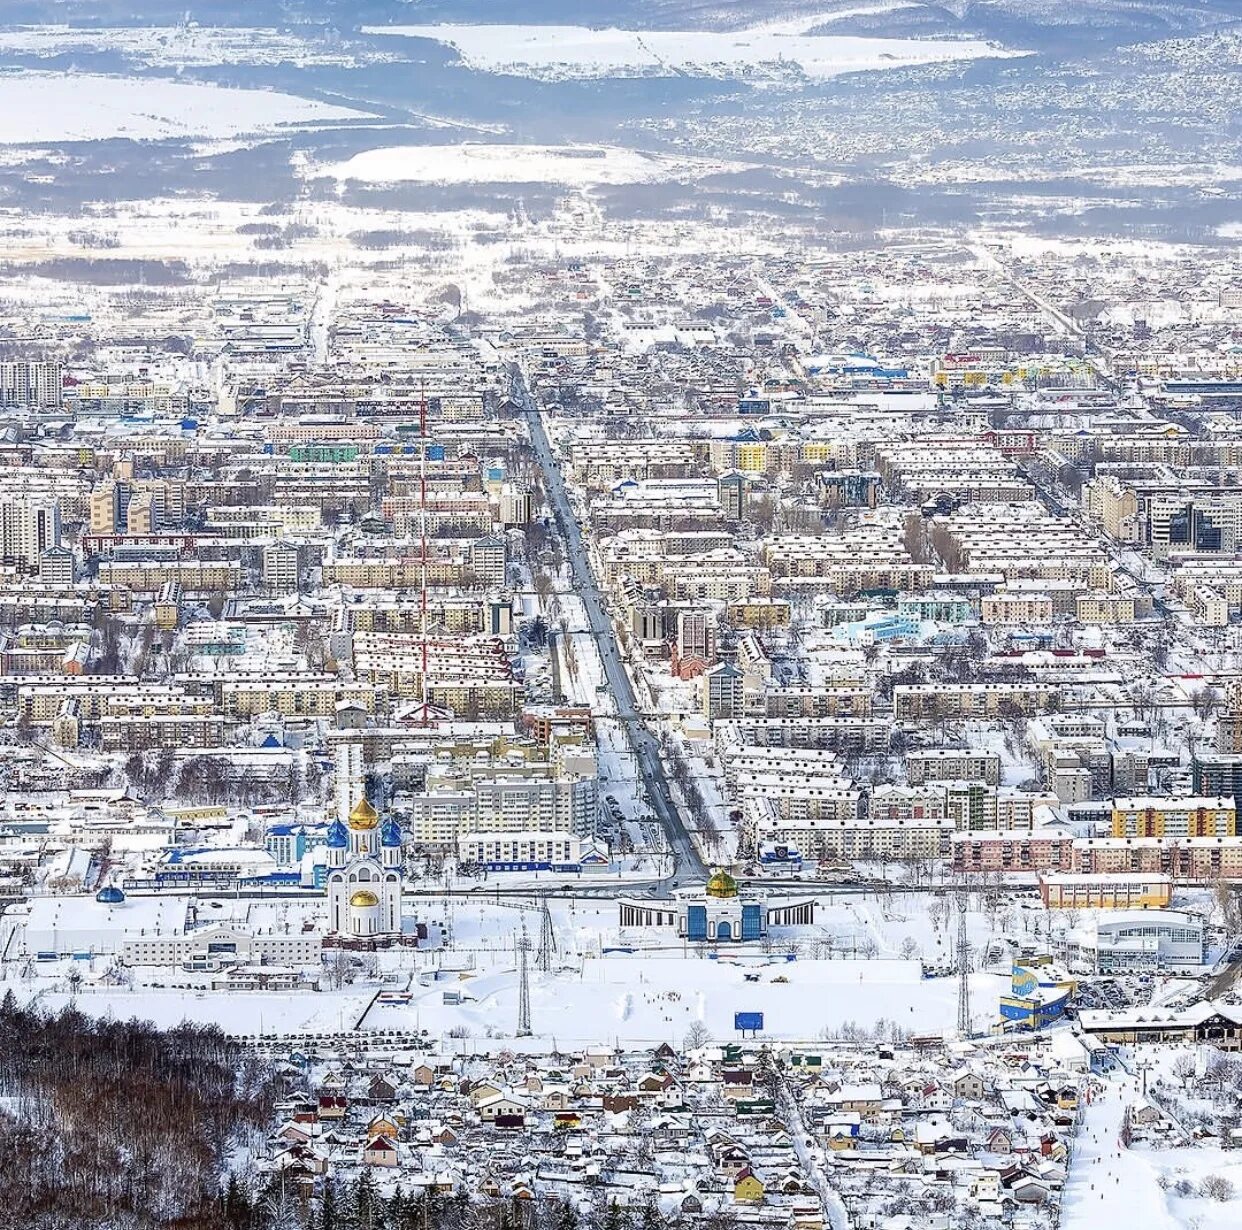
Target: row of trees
x=700, y=810
x=359, y=1205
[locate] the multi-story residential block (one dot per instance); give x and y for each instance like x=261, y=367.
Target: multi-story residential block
x=28, y=528
x=856, y=838
x=924, y=701
x=1000, y=851
x=952, y=764
x=29, y=384
x=722, y=692
x=281, y=567
x=1195, y=816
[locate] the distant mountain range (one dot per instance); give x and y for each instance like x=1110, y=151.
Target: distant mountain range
x=1040, y=24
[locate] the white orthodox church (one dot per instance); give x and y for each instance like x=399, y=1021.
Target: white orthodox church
x=364, y=876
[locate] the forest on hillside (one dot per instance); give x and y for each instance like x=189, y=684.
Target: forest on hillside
x=117, y=1124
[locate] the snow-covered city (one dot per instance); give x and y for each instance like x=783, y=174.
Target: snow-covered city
x=620, y=617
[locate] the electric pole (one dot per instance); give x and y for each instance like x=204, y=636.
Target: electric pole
x=963, y=966
x=547, y=940
x=523, y=947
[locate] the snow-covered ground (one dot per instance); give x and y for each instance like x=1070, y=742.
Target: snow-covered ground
x=238, y=1012
x=1110, y=1187
x=187, y=46
x=859, y=963
x=642, y=999
x=468, y=163
x=37, y=107
x=781, y=50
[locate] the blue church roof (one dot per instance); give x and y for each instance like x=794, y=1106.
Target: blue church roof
x=338, y=835
x=390, y=833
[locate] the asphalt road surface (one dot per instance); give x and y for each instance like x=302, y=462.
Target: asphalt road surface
x=687, y=862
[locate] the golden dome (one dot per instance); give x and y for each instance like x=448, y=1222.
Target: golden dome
x=722, y=884
x=363, y=899
x=364, y=816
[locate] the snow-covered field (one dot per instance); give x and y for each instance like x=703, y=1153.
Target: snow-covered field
x=645, y=999
x=186, y=46
x=786, y=49
x=38, y=107
x=468, y=163
x=640, y=986
x=240, y=1012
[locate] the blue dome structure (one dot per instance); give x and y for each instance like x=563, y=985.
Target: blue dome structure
x=390, y=833
x=110, y=895
x=338, y=835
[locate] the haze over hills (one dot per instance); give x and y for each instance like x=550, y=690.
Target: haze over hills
x=832, y=112
x=1044, y=21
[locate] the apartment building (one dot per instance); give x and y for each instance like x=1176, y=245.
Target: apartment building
x=840, y=734
x=952, y=764
x=30, y=385
x=744, y=761
x=1115, y=505
x=799, y=700
x=1013, y=852
x=931, y=701
x=29, y=527
x=194, y=576
x=281, y=567
x=136, y=732
x=41, y=698
x=968, y=805
x=760, y=614
x=291, y=695
x=1104, y=608
x=263, y=520
x=1194, y=816
x=1017, y=609
x=405, y=572
x=497, y=803
x=601, y=463
x=854, y=838
x=520, y=850
x=722, y=692
x=793, y=800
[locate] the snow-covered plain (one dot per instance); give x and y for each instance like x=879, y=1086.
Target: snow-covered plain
x=238, y=1013
x=42, y=107
x=606, y=982
x=468, y=163
x=645, y=999
x=187, y=46
x=783, y=50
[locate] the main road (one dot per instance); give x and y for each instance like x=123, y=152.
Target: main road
x=687, y=861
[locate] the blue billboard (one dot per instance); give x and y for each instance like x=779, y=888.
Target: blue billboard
x=748, y=1021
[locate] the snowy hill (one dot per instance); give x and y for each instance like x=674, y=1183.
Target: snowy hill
x=1027, y=22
